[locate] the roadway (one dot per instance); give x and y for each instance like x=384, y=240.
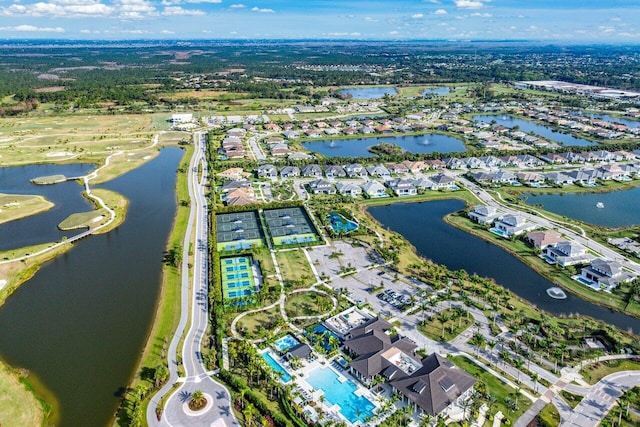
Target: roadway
x=194, y=306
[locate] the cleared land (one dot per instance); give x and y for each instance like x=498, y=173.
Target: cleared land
x=16, y=206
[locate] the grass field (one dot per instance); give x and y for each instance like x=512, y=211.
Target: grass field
x=496, y=388
x=257, y=324
x=84, y=220
x=549, y=416
x=307, y=304
x=595, y=372
x=18, y=405
x=16, y=206
x=294, y=266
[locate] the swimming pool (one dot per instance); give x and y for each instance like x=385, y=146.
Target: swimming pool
x=340, y=224
x=284, y=376
x=354, y=408
x=286, y=342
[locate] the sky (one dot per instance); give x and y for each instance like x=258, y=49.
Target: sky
x=580, y=21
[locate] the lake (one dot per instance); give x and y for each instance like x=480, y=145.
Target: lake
x=81, y=322
x=528, y=126
x=368, y=92
x=42, y=228
x=621, y=208
x=423, y=226
x=611, y=119
x=437, y=91
x=428, y=143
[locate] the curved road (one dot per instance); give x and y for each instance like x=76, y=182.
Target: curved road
x=194, y=303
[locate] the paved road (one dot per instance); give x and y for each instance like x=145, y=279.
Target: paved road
x=196, y=376
x=600, y=399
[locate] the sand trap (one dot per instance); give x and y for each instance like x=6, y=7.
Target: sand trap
x=98, y=218
x=3, y=283
x=12, y=204
x=59, y=154
x=146, y=157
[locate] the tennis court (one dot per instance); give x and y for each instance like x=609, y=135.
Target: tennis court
x=290, y=225
x=237, y=277
x=238, y=230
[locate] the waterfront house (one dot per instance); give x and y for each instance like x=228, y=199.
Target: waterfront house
x=530, y=178
x=291, y=134
x=397, y=168
x=605, y=274
x=484, y=215
x=280, y=150
x=558, y=178
x=415, y=167
x=423, y=183
x=480, y=177
x=402, y=187
x=453, y=163
x=513, y=225
x=542, y=239
x=502, y=177
x=435, y=164
x=567, y=253
x=442, y=182
x=374, y=189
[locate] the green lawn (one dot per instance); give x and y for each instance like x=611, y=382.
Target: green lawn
x=18, y=406
x=549, y=416
x=595, y=372
x=295, y=267
x=438, y=330
x=84, y=220
x=307, y=304
x=496, y=388
x=258, y=325
x=572, y=399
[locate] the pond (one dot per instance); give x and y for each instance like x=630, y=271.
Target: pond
x=444, y=244
x=436, y=91
x=619, y=208
x=42, y=228
x=529, y=126
x=611, y=119
x=368, y=92
x=80, y=323
x=428, y=143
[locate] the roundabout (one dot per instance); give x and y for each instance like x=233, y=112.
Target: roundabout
x=196, y=413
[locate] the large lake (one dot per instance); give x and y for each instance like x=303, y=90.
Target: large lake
x=423, y=226
x=528, y=126
x=81, y=322
x=621, y=208
x=42, y=228
x=429, y=143
x=368, y=92
x=611, y=119
x=436, y=91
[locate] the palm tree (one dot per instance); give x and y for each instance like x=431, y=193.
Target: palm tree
x=197, y=400
x=534, y=378
x=518, y=364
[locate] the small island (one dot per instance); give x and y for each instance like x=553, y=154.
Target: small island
x=17, y=206
x=386, y=149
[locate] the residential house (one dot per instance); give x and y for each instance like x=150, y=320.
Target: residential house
x=484, y=215
x=542, y=239
x=402, y=187
x=605, y=274
x=415, y=167
x=513, y=225
x=233, y=185
x=290, y=172
x=348, y=188
x=435, y=164
x=267, y=171
x=234, y=174
x=322, y=186
x=280, y=150
x=355, y=170
x=453, y=163
x=374, y=189
x=397, y=168
x=491, y=162
x=379, y=171
x=567, y=253
x=442, y=182
x=530, y=178
x=311, y=171
x=291, y=134
x=559, y=178
x=424, y=183
x=502, y=177
x=334, y=171
x=529, y=161
x=472, y=163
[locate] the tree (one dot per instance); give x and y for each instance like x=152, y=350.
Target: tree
x=160, y=375
x=518, y=364
x=534, y=378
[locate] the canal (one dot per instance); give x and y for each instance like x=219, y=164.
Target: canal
x=423, y=226
x=81, y=322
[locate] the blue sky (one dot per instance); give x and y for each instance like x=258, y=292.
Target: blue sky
x=561, y=20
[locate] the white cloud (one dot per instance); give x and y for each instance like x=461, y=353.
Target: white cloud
x=167, y=32
x=370, y=19
x=394, y=33
x=468, y=4
x=482, y=15
x=257, y=9
x=33, y=29
x=237, y=6
x=417, y=16
x=60, y=9
x=178, y=11
x=432, y=1
x=204, y=1
x=440, y=12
